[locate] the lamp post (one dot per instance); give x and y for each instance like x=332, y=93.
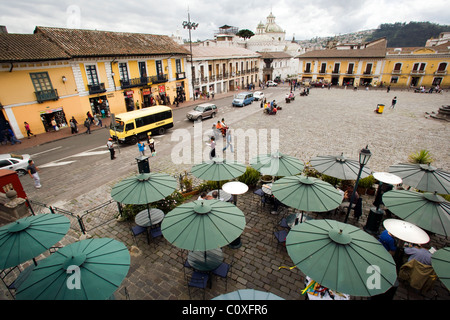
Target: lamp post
x=364, y=156
x=191, y=25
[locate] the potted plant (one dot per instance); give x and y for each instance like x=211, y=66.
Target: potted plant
x=365, y=185
x=250, y=177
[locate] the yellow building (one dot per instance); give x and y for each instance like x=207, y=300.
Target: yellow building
x=59, y=73
x=348, y=64
x=416, y=67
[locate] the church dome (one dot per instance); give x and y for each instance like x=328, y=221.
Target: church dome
x=271, y=26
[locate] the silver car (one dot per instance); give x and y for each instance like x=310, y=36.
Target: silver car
x=16, y=162
x=202, y=111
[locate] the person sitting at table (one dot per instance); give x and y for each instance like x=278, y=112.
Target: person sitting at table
x=215, y=195
x=204, y=196
x=388, y=241
x=421, y=254
x=343, y=207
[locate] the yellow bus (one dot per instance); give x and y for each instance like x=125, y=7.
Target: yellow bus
x=133, y=126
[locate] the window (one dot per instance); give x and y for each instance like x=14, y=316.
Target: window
x=178, y=65
x=308, y=67
x=394, y=79
x=41, y=81
x=368, y=68
x=91, y=73
x=159, y=70
x=323, y=68
x=442, y=66
x=398, y=66
x=123, y=71
x=350, y=68
x=4, y=163
x=336, y=67
x=129, y=126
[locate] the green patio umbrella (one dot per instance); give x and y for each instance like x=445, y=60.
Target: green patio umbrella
x=341, y=257
x=307, y=193
x=440, y=260
x=85, y=270
x=203, y=225
x=339, y=167
x=248, y=294
x=28, y=237
x=277, y=164
x=218, y=169
x=144, y=188
x=427, y=210
x=423, y=177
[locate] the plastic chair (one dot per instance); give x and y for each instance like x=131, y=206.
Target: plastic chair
x=137, y=230
x=198, y=281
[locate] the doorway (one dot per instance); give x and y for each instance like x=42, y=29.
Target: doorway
x=57, y=114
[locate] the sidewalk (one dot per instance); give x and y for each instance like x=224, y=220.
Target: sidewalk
x=64, y=133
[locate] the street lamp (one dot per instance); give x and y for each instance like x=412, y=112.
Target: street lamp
x=364, y=156
x=191, y=25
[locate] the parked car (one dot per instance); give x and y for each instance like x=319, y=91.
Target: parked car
x=202, y=111
x=16, y=162
x=243, y=99
x=258, y=95
x=271, y=83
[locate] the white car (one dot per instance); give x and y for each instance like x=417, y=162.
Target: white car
x=258, y=95
x=16, y=162
x=271, y=83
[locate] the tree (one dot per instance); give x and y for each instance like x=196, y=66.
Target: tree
x=245, y=33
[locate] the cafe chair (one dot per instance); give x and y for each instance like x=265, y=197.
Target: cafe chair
x=222, y=271
x=283, y=223
x=280, y=235
x=137, y=230
x=358, y=209
x=197, y=281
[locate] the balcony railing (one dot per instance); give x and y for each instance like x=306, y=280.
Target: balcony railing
x=367, y=72
x=136, y=82
x=349, y=72
x=440, y=72
x=160, y=78
x=96, y=88
x=307, y=71
x=226, y=75
x=212, y=78
x=219, y=77
x=418, y=72
x=204, y=79
x=196, y=81
x=46, y=95
x=396, y=71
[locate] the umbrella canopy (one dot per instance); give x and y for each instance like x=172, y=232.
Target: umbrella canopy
x=203, y=225
x=339, y=167
x=341, y=257
x=426, y=210
x=218, y=169
x=248, y=294
x=423, y=177
x=406, y=231
x=277, y=164
x=307, y=193
x=86, y=270
x=28, y=237
x=144, y=188
x=440, y=260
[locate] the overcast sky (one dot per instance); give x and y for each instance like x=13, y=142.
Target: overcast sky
x=305, y=19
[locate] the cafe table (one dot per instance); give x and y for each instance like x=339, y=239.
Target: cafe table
x=205, y=260
x=142, y=218
x=267, y=188
x=235, y=188
x=315, y=291
x=295, y=218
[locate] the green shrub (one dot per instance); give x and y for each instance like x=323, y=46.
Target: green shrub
x=367, y=182
x=422, y=156
x=250, y=177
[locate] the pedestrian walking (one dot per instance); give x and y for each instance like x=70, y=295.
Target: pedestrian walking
x=388, y=89
x=55, y=125
x=73, y=126
x=27, y=128
x=141, y=146
x=10, y=136
x=110, y=146
x=394, y=102
x=212, y=153
x=87, y=124
x=151, y=145
x=228, y=139
x=33, y=172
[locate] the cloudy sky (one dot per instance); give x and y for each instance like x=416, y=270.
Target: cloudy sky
x=303, y=18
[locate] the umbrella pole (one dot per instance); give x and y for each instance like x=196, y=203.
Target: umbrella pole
x=149, y=216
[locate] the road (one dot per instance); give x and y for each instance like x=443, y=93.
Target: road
x=73, y=166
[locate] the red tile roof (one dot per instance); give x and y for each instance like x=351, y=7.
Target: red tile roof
x=28, y=47
x=93, y=43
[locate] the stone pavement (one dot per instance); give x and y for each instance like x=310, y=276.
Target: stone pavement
x=326, y=122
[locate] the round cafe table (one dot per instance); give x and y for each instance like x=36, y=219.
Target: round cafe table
x=205, y=260
x=406, y=231
x=142, y=218
x=234, y=188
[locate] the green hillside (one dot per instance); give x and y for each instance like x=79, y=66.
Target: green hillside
x=412, y=34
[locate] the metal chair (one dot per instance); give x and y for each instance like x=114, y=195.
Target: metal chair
x=222, y=271
x=197, y=281
x=137, y=230
x=280, y=235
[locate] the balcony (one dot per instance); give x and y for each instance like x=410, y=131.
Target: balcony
x=349, y=72
x=160, y=78
x=219, y=77
x=418, y=72
x=396, y=71
x=335, y=71
x=367, y=72
x=96, y=88
x=307, y=71
x=212, y=78
x=441, y=72
x=196, y=81
x=46, y=95
x=136, y=82
x=204, y=79
x=226, y=75
x=324, y=71
x=181, y=75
